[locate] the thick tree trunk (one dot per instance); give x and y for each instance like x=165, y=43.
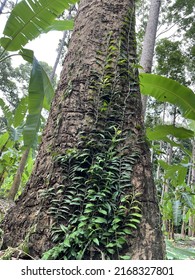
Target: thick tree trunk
x=79, y=112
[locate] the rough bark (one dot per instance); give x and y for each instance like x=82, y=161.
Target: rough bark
x=149, y=43
x=71, y=114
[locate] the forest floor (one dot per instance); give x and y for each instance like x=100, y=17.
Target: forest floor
x=181, y=248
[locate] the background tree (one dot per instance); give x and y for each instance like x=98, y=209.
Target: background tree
x=147, y=54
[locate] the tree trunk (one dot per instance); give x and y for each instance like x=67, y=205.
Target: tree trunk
x=149, y=43
x=60, y=49
x=17, y=179
x=191, y=231
x=2, y=6
x=93, y=163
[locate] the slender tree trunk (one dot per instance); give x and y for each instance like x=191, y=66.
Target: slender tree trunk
x=183, y=227
x=89, y=108
x=158, y=168
x=2, y=6
x=166, y=185
x=17, y=179
x=191, y=231
x=65, y=34
x=149, y=43
x=58, y=55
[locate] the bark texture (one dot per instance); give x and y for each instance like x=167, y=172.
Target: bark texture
x=71, y=114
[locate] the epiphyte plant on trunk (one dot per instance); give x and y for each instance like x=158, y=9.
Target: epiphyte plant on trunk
x=100, y=209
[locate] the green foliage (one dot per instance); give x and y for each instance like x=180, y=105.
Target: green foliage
x=29, y=19
x=40, y=95
x=95, y=211
x=60, y=25
x=97, y=204
x=8, y=87
x=160, y=132
x=169, y=53
x=168, y=90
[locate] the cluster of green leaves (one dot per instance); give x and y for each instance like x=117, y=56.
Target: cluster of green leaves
x=97, y=207
x=96, y=210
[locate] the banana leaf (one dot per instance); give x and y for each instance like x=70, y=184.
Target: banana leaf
x=168, y=90
x=160, y=132
x=30, y=18
x=40, y=95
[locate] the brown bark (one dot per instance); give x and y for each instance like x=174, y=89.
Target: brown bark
x=70, y=114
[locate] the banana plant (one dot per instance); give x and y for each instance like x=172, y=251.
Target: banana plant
x=179, y=195
x=29, y=19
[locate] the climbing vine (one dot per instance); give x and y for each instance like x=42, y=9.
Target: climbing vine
x=95, y=209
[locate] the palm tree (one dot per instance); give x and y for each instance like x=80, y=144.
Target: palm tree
x=92, y=177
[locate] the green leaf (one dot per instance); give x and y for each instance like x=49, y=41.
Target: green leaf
x=82, y=224
x=96, y=241
x=188, y=200
x=66, y=243
x=30, y=18
x=177, y=212
x=4, y=139
x=83, y=218
x=63, y=228
x=116, y=220
x=100, y=220
x=15, y=133
x=104, y=212
x=111, y=251
x=43, y=82
x=135, y=221
x=160, y=132
x=40, y=94
x=127, y=231
x=20, y=112
x=8, y=114
x=131, y=225
x=177, y=172
x=60, y=25
x=168, y=90
x=110, y=245
x=125, y=257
